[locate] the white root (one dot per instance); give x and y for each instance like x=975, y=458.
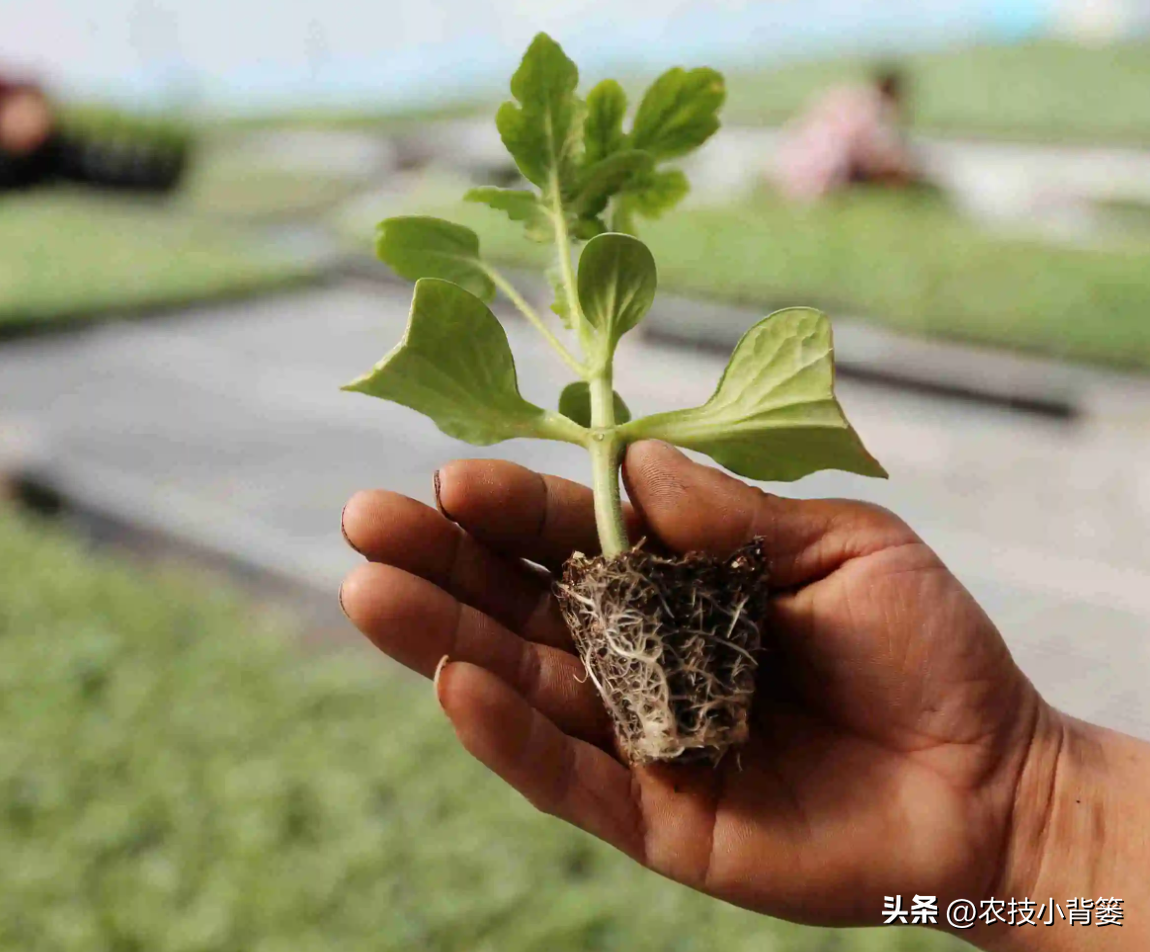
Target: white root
x=671, y=646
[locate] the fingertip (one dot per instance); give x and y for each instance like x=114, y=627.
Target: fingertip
x=456, y=485
x=354, y=586
x=652, y=471
x=690, y=506
x=352, y=518
x=641, y=449
x=403, y=615
x=518, y=511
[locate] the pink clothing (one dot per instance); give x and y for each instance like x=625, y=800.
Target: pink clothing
x=850, y=133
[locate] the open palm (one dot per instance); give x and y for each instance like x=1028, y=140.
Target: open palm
x=889, y=729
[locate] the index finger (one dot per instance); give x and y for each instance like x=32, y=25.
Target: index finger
x=520, y=512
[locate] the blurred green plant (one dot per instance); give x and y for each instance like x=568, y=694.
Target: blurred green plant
x=69, y=256
x=905, y=260
x=175, y=776
x=243, y=190
x=106, y=122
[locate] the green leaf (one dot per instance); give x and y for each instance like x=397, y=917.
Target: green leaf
x=454, y=365
x=774, y=415
x=559, y=304
x=616, y=284
x=420, y=247
x=658, y=192
x=542, y=131
x=575, y=404
x=603, y=124
x=648, y=195
x=518, y=205
x=598, y=182
x=584, y=229
x=679, y=112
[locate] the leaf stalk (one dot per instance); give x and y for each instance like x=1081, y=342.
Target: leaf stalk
x=513, y=295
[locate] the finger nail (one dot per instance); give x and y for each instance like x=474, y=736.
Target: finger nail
x=341, y=608
x=438, y=501
x=343, y=529
x=443, y=662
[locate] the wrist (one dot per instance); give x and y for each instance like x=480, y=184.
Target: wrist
x=1079, y=830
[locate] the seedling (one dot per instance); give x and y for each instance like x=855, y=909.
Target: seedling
x=672, y=644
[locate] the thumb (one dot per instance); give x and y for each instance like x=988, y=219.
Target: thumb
x=692, y=507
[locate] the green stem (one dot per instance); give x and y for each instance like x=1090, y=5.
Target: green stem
x=606, y=454
x=605, y=446
x=533, y=316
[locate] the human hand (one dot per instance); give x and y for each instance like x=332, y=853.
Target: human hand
x=892, y=732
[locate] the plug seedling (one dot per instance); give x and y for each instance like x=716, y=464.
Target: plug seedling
x=672, y=644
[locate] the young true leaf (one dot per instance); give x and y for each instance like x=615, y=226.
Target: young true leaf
x=603, y=125
x=538, y=132
x=454, y=366
x=598, y=182
x=518, y=205
x=575, y=404
x=774, y=415
x=420, y=247
x=679, y=112
x=559, y=306
x=617, y=281
x=649, y=195
x=658, y=192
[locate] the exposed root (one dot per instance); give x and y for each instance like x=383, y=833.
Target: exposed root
x=671, y=644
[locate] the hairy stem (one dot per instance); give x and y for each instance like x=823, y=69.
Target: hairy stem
x=605, y=446
x=606, y=454
x=533, y=317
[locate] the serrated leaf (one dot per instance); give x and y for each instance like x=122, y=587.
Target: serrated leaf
x=679, y=112
x=416, y=246
x=658, y=192
x=559, y=302
x=518, y=205
x=454, y=365
x=616, y=283
x=575, y=404
x=650, y=196
x=541, y=132
x=603, y=123
x=774, y=415
x=598, y=182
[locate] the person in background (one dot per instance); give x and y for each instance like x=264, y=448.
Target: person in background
x=37, y=149
x=25, y=119
x=25, y=128
x=852, y=134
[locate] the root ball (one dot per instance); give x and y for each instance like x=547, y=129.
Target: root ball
x=672, y=644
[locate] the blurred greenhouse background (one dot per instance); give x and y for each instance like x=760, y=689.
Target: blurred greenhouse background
x=193, y=754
